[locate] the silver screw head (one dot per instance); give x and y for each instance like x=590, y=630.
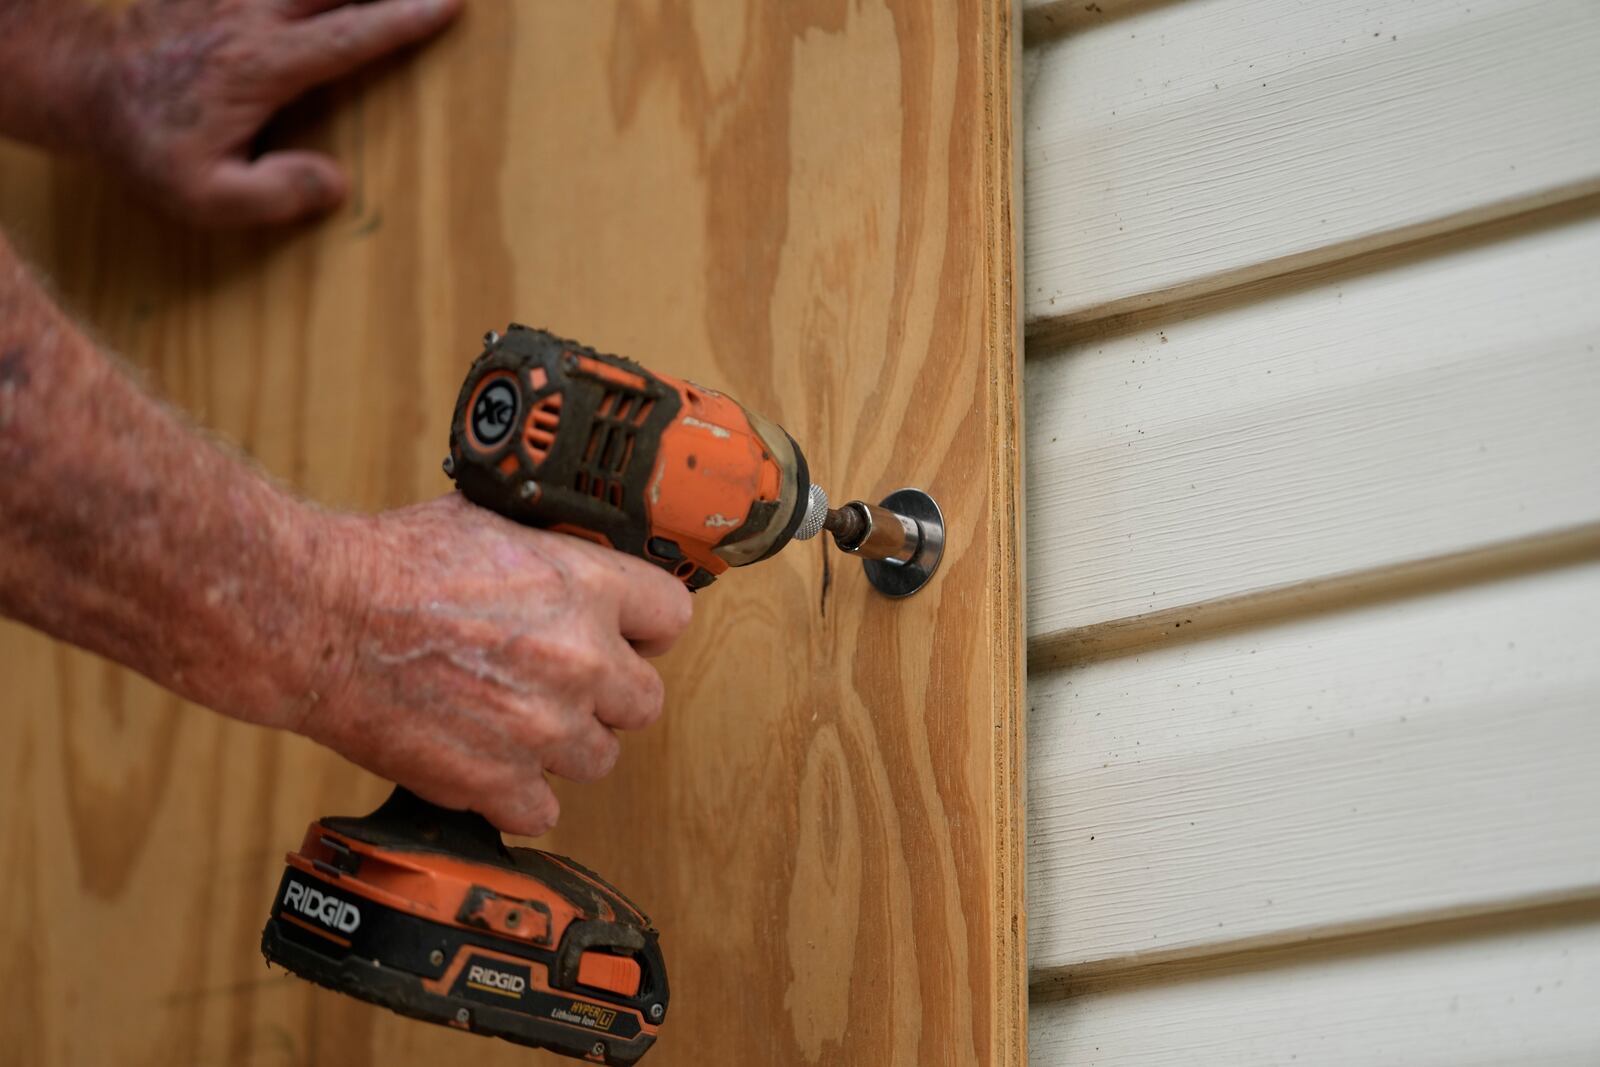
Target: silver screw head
x=436, y=957
x=657, y=1011
x=599, y=1048
x=491, y=338
x=449, y=466
x=463, y=1015
x=528, y=490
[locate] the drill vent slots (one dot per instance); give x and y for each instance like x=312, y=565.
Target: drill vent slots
x=609, y=450
x=539, y=434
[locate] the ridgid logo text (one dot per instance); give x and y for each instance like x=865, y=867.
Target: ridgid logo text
x=330, y=911
x=499, y=981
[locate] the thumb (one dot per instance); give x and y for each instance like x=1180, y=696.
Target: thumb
x=532, y=811
x=279, y=187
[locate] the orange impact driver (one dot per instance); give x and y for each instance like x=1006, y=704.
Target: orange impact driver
x=427, y=911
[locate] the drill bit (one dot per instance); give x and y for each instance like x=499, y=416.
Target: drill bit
x=861, y=529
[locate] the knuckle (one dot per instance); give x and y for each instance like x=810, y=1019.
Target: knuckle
x=342, y=38
x=539, y=801
x=567, y=737
x=539, y=732
x=577, y=668
x=560, y=665
x=652, y=696
x=531, y=810
x=548, y=814
x=596, y=757
x=590, y=656
x=607, y=750
x=574, y=662
x=670, y=601
x=589, y=576
x=681, y=612
x=251, y=68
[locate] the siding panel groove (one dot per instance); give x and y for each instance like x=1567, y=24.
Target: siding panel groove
x=1395, y=416
x=1433, y=756
x=1503, y=990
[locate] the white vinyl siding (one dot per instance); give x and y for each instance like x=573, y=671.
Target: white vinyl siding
x=1313, y=448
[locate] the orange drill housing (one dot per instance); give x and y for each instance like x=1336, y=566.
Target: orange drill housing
x=554, y=434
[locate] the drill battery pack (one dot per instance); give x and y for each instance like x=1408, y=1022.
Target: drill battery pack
x=428, y=913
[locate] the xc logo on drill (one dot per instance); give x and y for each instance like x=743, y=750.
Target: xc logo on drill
x=494, y=412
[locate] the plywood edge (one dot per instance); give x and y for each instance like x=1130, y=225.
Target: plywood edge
x=1002, y=193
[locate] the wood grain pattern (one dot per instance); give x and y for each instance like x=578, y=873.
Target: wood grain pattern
x=1432, y=756
x=808, y=204
x=1432, y=403
x=1199, y=145
x=1484, y=992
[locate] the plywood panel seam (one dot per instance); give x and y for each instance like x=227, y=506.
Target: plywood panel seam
x=1002, y=146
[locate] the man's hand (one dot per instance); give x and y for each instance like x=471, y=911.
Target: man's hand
x=442, y=646
x=477, y=655
x=172, y=92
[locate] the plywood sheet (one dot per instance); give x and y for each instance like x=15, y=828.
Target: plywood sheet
x=807, y=204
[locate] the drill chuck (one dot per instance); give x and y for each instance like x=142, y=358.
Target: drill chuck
x=816, y=514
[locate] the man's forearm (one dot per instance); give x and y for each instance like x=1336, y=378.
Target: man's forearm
x=127, y=532
x=440, y=645
x=52, y=53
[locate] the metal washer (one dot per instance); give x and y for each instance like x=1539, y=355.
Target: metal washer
x=903, y=579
